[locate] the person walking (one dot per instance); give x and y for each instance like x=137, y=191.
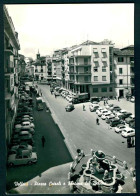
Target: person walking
x=97, y=121
x=84, y=108
x=104, y=102
x=43, y=141
x=128, y=142
x=118, y=98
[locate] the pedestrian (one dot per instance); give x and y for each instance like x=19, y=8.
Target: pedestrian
x=118, y=98
x=132, y=142
x=55, y=95
x=128, y=142
x=84, y=108
x=104, y=102
x=97, y=121
x=43, y=141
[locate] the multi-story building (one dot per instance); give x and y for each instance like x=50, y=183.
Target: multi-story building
x=91, y=69
x=49, y=68
x=40, y=67
x=124, y=70
x=11, y=69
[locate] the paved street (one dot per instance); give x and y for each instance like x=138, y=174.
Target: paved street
x=54, y=153
x=80, y=130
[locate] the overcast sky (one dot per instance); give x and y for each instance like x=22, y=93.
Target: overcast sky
x=49, y=27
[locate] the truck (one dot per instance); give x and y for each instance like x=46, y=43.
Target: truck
x=79, y=98
x=39, y=103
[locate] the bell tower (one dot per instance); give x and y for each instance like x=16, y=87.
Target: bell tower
x=38, y=55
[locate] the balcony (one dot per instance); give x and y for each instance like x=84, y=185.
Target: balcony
x=7, y=94
x=83, y=73
x=16, y=57
x=12, y=91
x=83, y=65
x=9, y=50
x=9, y=70
x=71, y=64
x=71, y=72
x=83, y=82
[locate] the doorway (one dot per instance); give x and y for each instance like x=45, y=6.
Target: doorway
x=121, y=93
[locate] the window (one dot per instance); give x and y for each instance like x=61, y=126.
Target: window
x=120, y=81
x=104, y=89
x=120, y=70
x=86, y=69
x=96, y=64
x=96, y=55
x=103, y=69
x=95, y=78
x=110, y=89
x=120, y=59
x=131, y=59
x=104, y=54
x=104, y=63
x=103, y=78
x=95, y=90
x=85, y=61
x=95, y=69
x=86, y=78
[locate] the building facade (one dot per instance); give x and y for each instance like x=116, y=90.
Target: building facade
x=40, y=72
x=124, y=71
x=11, y=69
x=91, y=69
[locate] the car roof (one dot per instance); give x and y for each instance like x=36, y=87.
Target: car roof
x=26, y=122
x=24, y=132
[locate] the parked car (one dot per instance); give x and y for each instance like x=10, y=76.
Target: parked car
x=129, y=119
x=30, y=130
x=123, y=111
x=119, y=128
x=69, y=107
x=114, y=122
x=102, y=112
x=25, y=135
x=15, y=149
x=109, y=118
x=93, y=107
x=17, y=128
x=132, y=99
x=128, y=132
x=115, y=108
x=26, y=157
x=27, y=124
x=105, y=115
x=109, y=106
x=99, y=110
x=92, y=99
x=126, y=115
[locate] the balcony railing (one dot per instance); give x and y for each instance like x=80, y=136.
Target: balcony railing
x=9, y=70
x=12, y=91
x=71, y=64
x=85, y=65
x=83, y=82
x=83, y=73
x=71, y=72
x=9, y=50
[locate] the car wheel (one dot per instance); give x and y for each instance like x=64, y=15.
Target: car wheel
x=11, y=164
x=30, y=163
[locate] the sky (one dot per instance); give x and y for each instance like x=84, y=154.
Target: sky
x=48, y=27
